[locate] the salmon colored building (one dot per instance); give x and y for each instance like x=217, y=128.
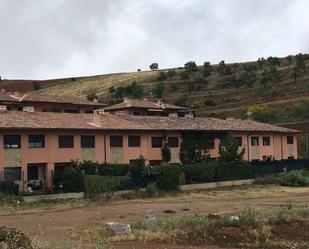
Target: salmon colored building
x=16, y=101
x=36, y=144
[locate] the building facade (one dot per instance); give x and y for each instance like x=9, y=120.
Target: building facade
x=35, y=145
x=33, y=102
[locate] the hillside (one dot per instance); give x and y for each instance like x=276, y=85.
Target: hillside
x=279, y=86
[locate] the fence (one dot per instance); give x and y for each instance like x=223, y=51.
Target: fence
x=263, y=168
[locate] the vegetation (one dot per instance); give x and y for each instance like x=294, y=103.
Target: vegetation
x=294, y=178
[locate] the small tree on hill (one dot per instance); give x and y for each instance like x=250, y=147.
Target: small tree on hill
x=154, y=66
x=184, y=75
x=171, y=73
x=296, y=73
x=162, y=76
x=159, y=90
x=190, y=66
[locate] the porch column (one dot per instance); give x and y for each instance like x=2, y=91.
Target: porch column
x=50, y=167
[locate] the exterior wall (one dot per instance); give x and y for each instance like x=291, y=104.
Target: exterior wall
x=40, y=107
x=50, y=155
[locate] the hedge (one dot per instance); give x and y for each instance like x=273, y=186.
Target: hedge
x=98, y=185
x=227, y=171
x=202, y=172
x=113, y=169
x=9, y=187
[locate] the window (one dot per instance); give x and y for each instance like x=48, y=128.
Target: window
x=290, y=139
x=88, y=111
x=71, y=111
x=210, y=143
x=65, y=141
x=173, y=142
x=156, y=142
x=87, y=141
x=11, y=141
x=266, y=141
x=134, y=141
x=115, y=141
x=254, y=141
x=239, y=140
x=136, y=113
x=12, y=174
x=36, y=141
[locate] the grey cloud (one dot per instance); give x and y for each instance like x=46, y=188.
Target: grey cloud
x=60, y=38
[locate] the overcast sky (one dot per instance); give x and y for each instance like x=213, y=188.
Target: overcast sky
x=43, y=39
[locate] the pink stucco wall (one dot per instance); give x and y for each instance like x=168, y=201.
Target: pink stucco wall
x=51, y=154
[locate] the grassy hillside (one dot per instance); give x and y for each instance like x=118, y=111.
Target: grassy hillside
x=273, y=90
x=280, y=88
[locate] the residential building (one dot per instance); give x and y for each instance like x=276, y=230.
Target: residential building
x=35, y=144
x=144, y=107
x=16, y=101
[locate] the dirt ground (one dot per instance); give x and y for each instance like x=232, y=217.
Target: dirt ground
x=54, y=225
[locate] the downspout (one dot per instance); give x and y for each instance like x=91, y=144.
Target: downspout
x=248, y=148
x=104, y=148
x=281, y=148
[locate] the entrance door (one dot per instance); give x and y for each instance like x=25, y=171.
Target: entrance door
x=33, y=173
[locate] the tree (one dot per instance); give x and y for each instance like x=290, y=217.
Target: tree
x=35, y=85
x=248, y=78
x=273, y=61
x=166, y=152
x=154, y=66
x=296, y=73
x=190, y=66
x=266, y=77
x=184, y=75
x=229, y=150
x=261, y=62
x=162, y=76
x=92, y=94
x=171, y=73
x=300, y=61
x=159, y=90
x=207, y=69
x=290, y=59
x=181, y=101
x=174, y=87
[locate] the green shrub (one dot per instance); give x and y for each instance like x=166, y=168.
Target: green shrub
x=113, y=169
x=151, y=189
x=294, y=178
x=166, y=153
x=71, y=180
x=166, y=176
x=234, y=170
x=89, y=167
x=9, y=187
x=99, y=185
x=202, y=172
x=137, y=168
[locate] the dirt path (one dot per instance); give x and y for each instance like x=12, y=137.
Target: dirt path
x=53, y=227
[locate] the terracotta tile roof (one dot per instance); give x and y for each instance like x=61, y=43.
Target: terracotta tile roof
x=139, y=103
x=41, y=120
x=35, y=97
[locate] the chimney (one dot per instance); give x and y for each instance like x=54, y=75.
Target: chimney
x=125, y=99
x=97, y=117
x=28, y=109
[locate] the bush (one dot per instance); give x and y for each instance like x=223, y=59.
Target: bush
x=99, y=185
x=202, y=172
x=166, y=176
x=294, y=178
x=137, y=168
x=235, y=170
x=151, y=189
x=9, y=187
x=113, y=169
x=210, y=102
x=89, y=167
x=71, y=180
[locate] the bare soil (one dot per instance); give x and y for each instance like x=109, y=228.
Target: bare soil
x=54, y=226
